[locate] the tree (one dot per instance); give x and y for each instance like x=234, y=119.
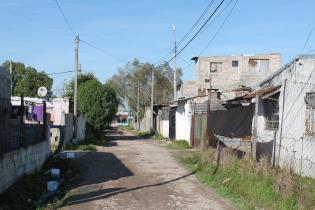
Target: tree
x=27, y=80
x=136, y=74
x=98, y=102
x=82, y=78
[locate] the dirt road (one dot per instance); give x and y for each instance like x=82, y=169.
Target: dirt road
x=131, y=173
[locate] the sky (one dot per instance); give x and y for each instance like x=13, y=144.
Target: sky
x=34, y=32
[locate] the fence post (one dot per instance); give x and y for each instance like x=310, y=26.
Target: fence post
x=22, y=120
x=254, y=140
x=44, y=121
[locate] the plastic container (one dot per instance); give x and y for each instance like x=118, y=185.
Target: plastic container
x=52, y=186
x=70, y=155
x=55, y=172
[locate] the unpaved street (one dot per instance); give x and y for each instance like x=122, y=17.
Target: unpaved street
x=130, y=173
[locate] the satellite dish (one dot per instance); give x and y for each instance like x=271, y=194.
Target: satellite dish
x=42, y=91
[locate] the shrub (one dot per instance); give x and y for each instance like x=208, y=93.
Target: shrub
x=178, y=144
x=144, y=134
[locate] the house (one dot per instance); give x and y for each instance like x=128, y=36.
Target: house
x=234, y=71
x=191, y=117
x=286, y=114
x=122, y=117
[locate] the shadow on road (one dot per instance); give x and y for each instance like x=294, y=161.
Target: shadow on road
x=106, y=193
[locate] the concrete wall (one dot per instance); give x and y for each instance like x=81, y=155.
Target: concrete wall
x=188, y=89
x=68, y=130
x=232, y=77
x=22, y=161
x=81, y=128
x=294, y=148
x=183, y=120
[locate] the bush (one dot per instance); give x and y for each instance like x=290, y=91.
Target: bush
x=178, y=144
x=99, y=104
x=144, y=134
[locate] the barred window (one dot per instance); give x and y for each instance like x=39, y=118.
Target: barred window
x=271, y=112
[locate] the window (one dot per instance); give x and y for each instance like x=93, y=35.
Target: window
x=310, y=114
x=259, y=65
x=271, y=112
x=215, y=66
x=234, y=63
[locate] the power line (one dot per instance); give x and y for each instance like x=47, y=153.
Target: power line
x=62, y=72
x=101, y=50
x=191, y=29
x=308, y=38
x=220, y=27
x=216, y=33
x=196, y=34
x=65, y=18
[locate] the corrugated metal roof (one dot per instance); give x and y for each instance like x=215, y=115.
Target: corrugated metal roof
x=262, y=92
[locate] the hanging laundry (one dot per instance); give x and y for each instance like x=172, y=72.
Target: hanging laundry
x=38, y=112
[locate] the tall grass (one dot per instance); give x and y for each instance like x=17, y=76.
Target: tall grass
x=251, y=185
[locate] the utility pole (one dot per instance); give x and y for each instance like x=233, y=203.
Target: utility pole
x=11, y=72
x=175, y=72
x=76, y=51
x=138, y=95
x=204, y=144
x=152, y=95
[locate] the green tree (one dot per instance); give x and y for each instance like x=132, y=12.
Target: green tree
x=27, y=80
x=136, y=74
x=98, y=102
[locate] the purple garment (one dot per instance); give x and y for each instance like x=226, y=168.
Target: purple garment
x=38, y=112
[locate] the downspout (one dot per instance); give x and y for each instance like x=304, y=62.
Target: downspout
x=283, y=101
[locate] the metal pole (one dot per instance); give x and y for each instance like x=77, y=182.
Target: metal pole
x=254, y=143
x=175, y=71
x=77, y=40
x=152, y=95
x=138, y=96
x=11, y=72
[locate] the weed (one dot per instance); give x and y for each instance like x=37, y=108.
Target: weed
x=144, y=134
x=251, y=185
x=178, y=144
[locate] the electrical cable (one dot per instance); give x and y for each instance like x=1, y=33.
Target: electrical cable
x=308, y=38
x=65, y=18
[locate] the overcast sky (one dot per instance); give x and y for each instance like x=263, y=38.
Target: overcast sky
x=34, y=32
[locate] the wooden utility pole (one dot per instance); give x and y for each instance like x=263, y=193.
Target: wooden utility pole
x=204, y=144
x=175, y=71
x=138, y=97
x=11, y=72
x=152, y=98
x=76, y=51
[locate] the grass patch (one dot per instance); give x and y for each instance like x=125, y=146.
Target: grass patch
x=158, y=136
x=252, y=186
x=178, y=144
x=29, y=192
x=84, y=146
x=144, y=134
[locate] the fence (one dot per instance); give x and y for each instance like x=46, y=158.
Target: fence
x=16, y=131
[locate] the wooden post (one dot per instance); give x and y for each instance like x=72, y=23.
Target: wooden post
x=254, y=140
x=280, y=140
x=21, y=120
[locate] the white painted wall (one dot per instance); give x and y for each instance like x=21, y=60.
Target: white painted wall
x=164, y=128
x=297, y=149
x=183, y=120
